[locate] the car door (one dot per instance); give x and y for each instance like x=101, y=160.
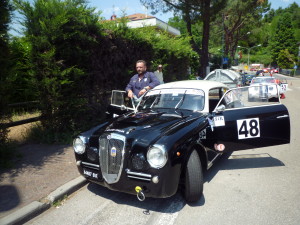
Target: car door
x=237, y=124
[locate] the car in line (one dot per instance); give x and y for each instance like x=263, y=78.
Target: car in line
x=175, y=133
x=228, y=77
x=247, y=78
x=264, y=88
x=274, y=70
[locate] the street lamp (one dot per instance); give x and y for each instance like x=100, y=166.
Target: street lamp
x=248, y=50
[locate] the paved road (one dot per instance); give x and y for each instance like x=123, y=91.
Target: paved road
x=258, y=186
x=40, y=170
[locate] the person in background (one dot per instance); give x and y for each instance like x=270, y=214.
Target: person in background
x=141, y=82
x=159, y=74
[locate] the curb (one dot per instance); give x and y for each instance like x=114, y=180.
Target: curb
x=37, y=207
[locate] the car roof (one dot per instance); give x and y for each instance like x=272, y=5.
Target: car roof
x=205, y=85
x=230, y=73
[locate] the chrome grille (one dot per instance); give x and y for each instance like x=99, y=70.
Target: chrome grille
x=111, y=151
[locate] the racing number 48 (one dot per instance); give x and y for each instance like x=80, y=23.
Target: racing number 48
x=248, y=128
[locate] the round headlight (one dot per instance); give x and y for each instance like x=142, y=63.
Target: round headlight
x=157, y=156
x=79, y=145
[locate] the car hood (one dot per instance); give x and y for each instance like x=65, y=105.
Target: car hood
x=149, y=126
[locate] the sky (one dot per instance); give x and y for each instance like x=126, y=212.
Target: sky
x=134, y=6
x=128, y=6
x=108, y=7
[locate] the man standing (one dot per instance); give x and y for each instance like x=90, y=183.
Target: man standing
x=159, y=74
x=142, y=81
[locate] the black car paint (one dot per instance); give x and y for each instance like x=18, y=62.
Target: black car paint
x=179, y=131
x=178, y=134
x=274, y=124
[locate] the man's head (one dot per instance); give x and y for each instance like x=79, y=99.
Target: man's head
x=159, y=67
x=141, y=66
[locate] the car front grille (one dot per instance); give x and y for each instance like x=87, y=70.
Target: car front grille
x=111, y=153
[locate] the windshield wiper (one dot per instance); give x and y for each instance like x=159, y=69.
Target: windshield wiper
x=181, y=101
x=154, y=102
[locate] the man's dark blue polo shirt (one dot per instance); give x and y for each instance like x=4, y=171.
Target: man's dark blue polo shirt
x=136, y=85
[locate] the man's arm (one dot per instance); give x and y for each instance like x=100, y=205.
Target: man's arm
x=129, y=88
x=152, y=83
x=153, y=80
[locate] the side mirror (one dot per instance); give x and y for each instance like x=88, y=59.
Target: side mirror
x=220, y=108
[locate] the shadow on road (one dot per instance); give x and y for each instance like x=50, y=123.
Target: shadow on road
x=242, y=161
x=176, y=203
x=34, y=156
x=6, y=200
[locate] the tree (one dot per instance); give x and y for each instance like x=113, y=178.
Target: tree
x=191, y=12
x=5, y=17
x=285, y=59
x=62, y=35
x=236, y=23
x=283, y=37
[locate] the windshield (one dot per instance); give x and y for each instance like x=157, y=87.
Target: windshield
x=188, y=99
x=263, y=80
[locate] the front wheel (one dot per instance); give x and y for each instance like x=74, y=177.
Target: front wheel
x=193, y=178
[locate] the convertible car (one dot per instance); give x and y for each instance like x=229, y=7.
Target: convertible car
x=175, y=132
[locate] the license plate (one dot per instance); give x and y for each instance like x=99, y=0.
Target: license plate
x=90, y=174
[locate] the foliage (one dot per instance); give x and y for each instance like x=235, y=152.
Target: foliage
x=74, y=60
x=5, y=17
x=192, y=12
x=62, y=35
x=235, y=24
x=154, y=46
x=283, y=37
x=39, y=134
x=69, y=59
x=21, y=80
x=285, y=59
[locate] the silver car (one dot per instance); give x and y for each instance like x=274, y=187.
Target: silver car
x=263, y=89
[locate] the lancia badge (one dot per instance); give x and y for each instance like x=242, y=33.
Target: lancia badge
x=113, y=152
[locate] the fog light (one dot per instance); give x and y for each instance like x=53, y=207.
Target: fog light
x=78, y=163
x=155, y=179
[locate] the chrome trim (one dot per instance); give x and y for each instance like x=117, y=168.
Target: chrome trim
x=214, y=159
x=283, y=116
x=112, y=178
x=139, y=178
x=91, y=165
x=138, y=174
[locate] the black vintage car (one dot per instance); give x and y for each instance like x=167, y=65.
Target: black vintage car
x=176, y=132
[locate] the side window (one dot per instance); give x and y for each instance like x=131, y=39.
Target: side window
x=213, y=76
x=251, y=96
x=214, y=96
x=224, y=77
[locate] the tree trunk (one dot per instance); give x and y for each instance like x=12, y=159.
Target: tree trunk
x=204, y=59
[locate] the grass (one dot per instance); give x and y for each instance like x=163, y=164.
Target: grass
x=25, y=115
x=38, y=134
x=17, y=116
x=60, y=202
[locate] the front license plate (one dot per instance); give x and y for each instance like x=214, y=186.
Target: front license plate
x=90, y=174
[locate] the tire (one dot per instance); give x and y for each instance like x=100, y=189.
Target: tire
x=193, y=185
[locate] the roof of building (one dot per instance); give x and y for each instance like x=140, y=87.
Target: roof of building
x=139, y=16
